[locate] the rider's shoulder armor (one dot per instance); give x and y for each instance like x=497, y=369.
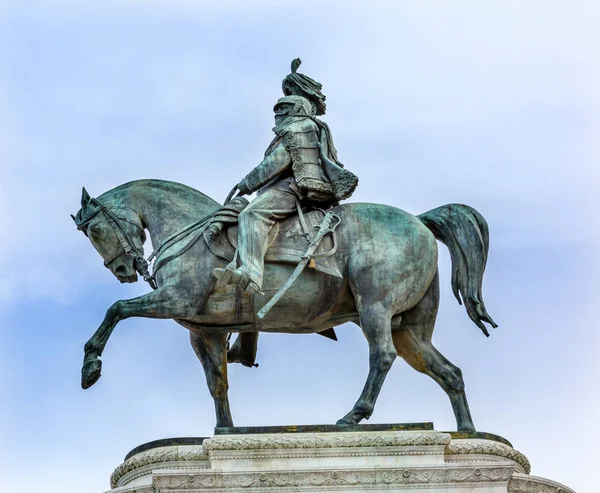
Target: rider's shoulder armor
x=301, y=140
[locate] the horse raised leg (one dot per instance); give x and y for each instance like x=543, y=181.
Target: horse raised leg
x=211, y=349
x=375, y=321
x=165, y=302
x=412, y=339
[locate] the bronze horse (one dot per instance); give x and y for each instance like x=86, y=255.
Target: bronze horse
x=390, y=285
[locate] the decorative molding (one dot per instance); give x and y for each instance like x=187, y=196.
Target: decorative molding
x=472, y=446
x=331, y=480
x=310, y=453
x=187, y=482
x=326, y=440
x=523, y=483
x=168, y=442
x=158, y=456
x=190, y=467
x=396, y=439
x=135, y=489
x=467, y=466
x=259, y=442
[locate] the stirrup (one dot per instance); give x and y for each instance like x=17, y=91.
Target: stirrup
x=253, y=288
x=226, y=276
x=246, y=283
x=233, y=275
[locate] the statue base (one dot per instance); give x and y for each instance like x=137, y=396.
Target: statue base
x=398, y=458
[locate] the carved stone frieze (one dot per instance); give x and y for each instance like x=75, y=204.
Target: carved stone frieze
x=446, y=475
x=472, y=446
x=523, y=483
x=264, y=479
x=188, y=482
x=259, y=442
x=158, y=456
x=326, y=440
x=397, y=439
x=344, y=478
x=310, y=479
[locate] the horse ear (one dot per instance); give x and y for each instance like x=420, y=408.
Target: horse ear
x=85, y=198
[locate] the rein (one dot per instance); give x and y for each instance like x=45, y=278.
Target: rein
x=128, y=247
x=179, y=235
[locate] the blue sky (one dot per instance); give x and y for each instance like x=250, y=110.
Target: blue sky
x=493, y=104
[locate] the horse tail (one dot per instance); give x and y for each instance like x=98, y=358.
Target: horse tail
x=465, y=232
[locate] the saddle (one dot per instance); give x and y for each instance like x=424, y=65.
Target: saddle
x=287, y=243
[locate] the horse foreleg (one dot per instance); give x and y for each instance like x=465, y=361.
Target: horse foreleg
x=211, y=349
x=375, y=322
x=157, y=304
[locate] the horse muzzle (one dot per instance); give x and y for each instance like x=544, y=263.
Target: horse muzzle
x=124, y=273
x=128, y=279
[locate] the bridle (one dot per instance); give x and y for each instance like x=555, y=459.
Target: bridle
x=128, y=247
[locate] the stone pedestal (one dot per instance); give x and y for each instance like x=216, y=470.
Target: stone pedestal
x=342, y=461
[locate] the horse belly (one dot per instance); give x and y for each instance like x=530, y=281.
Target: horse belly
x=314, y=302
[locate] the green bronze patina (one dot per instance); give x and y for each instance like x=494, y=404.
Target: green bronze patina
x=383, y=276
x=300, y=168
x=390, y=285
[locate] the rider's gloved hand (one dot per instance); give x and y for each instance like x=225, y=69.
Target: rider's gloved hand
x=243, y=187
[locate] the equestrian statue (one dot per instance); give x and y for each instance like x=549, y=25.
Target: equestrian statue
x=293, y=260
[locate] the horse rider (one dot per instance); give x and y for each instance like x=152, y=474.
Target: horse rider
x=300, y=166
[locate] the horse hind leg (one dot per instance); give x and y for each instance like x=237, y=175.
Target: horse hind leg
x=375, y=322
x=412, y=338
x=425, y=358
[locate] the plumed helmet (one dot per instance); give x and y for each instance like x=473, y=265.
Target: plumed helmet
x=302, y=105
x=302, y=85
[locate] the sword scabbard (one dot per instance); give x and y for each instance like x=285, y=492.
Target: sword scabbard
x=324, y=228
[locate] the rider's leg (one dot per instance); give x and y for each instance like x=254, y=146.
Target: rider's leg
x=255, y=224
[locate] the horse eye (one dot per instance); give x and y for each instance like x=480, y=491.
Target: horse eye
x=95, y=229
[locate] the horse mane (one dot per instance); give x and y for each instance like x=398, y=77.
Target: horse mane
x=178, y=191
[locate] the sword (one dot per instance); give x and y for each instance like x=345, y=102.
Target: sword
x=324, y=228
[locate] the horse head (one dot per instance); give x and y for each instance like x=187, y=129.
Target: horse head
x=116, y=233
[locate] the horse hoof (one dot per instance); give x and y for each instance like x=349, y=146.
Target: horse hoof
x=90, y=373
x=344, y=422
